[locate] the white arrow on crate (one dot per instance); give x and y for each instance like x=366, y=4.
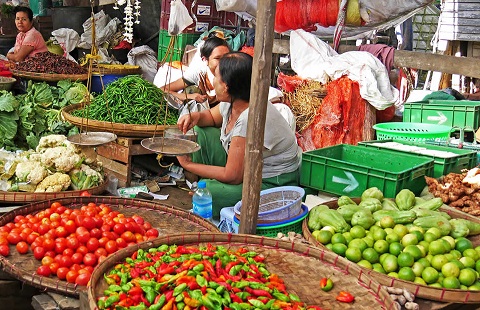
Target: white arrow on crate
x=441, y=118
x=350, y=181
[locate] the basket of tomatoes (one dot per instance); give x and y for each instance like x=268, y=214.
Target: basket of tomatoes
x=55, y=244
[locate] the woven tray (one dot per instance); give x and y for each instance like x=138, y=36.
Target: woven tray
x=124, y=130
x=167, y=219
x=49, y=77
x=23, y=197
x=116, y=69
x=299, y=265
x=423, y=291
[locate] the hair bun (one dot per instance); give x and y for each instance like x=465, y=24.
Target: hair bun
x=213, y=34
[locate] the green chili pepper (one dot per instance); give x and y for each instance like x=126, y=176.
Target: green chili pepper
x=179, y=289
x=235, y=306
x=108, y=292
x=241, y=284
x=250, y=254
x=123, y=278
x=281, y=296
x=179, y=298
x=114, y=288
x=201, y=280
x=256, y=303
x=235, y=269
x=140, y=306
x=161, y=300
x=213, y=284
x=180, y=305
x=154, y=307
x=111, y=300
x=101, y=304
x=198, y=268
x=163, y=248
x=152, y=250
x=245, y=306
x=264, y=271
x=129, y=261
x=220, y=289
x=150, y=295
x=196, y=294
x=294, y=297
x=127, y=287
x=257, y=285
x=269, y=304
x=243, y=295
x=192, y=273
x=226, y=298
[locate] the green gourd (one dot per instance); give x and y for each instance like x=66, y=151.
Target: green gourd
x=347, y=211
x=372, y=204
x=363, y=218
x=405, y=199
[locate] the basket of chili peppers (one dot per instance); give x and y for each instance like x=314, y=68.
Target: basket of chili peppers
x=231, y=271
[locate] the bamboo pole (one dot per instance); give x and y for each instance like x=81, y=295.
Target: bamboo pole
x=262, y=63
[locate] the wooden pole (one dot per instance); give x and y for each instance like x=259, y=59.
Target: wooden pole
x=466, y=66
x=262, y=63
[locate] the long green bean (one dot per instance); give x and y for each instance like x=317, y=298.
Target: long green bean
x=130, y=100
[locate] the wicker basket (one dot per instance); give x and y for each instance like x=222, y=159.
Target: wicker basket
x=6, y=83
x=24, y=197
x=299, y=265
x=49, y=77
x=423, y=291
x=124, y=130
x=166, y=219
x=277, y=204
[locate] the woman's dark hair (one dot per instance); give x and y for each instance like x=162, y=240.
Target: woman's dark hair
x=24, y=9
x=212, y=42
x=236, y=72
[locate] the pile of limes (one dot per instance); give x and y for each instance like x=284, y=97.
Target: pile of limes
x=409, y=253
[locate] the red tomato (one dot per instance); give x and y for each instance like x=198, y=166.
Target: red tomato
x=22, y=247
x=90, y=259
x=39, y=252
x=101, y=258
x=60, y=231
x=128, y=236
x=83, y=278
x=83, y=237
x=111, y=246
x=68, y=252
x=76, y=267
x=106, y=227
x=98, y=221
x=89, y=223
x=61, y=210
x=121, y=243
x=50, y=253
x=44, y=271
x=70, y=226
x=85, y=194
x=77, y=258
x=96, y=233
x=14, y=238
x=119, y=228
x=101, y=252
x=71, y=276
x=18, y=218
x=54, y=267
x=82, y=249
x=5, y=229
x=72, y=243
x=54, y=217
x=4, y=250
x=43, y=229
x=62, y=273
x=89, y=269
x=92, y=244
x=138, y=219
x=147, y=226
x=3, y=240
x=49, y=244
x=102, y=241
x=31, y=237
x=66, y=261
x=152, y=232
x=55, y=205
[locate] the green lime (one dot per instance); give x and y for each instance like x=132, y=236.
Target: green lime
x=329, y=246
x=379, y=234
x=424, y=244
x=417, y=269
x=436, y=285
x=400, y=230
x=416, y=228
x=395, y=248
x=415, y=251
x=430, y=275
x=378, y=268
x=339, y=249
x=450, y=269
x=409, y=239
x=418, y=234
x=387, y=222
x=424, y=261
x=450, y=240
x=477, y=265
x=406, y=273
x=389, y=230
x=461, y=244
x=475, y=286
x=468, y=262
x=471, y=253
x=405, y=259
x=353, y=254
x=381, y=246
x=347, y=236
x=393, y=274
x=467, y=276
x=392, y=237
x=451, y=282
x=420, y=281
x=390, y=263
x=435, y=231
x=456, y=254
x=358, y=243
x=382, y=257
x=429, y=237
x=459, y=264
x=324, y=236
x=438, y=261
x=338, y=238
x=369, y=241
x=370, y=255
x=365, y=264
x=449, y=256
x=436, y=247
x=446, y=245
x=357, y=232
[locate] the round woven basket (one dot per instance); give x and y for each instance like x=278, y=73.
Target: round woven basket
x=423, y=291
x=299, y=265
x=24, y=197
x=168, y=220
x=124, y=130
x=116, y=69
x=48, y=77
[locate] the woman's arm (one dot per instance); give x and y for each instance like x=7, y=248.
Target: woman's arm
x=178, y=85
x=232, y=173
x=206, y=118
x=21, y=54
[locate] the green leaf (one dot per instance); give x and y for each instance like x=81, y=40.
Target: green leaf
x=8, y=103
x=8, y=128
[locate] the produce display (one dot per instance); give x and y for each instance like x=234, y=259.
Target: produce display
x=406, y=238
x=130, y=100
x=458, y=190
x=25, y=118
x=56, y=165
x=192, y=277
x=69, y=242
x=48, y=62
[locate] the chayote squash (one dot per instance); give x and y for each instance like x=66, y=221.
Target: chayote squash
x=372, y=204
x=372, y=192
x=345, y=200
x=333, y=219
x=389, y=204
x=400, y=217
x=363, y=218
x=432, y=204
x=405, y=199
x=459, y=228
x=347, y=211
x=420, y=212
x=439, y=221
x=313, y=221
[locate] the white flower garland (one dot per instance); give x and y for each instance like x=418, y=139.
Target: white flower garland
x=129, y=16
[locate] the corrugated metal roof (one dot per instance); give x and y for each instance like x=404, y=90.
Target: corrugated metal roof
x=460, y=20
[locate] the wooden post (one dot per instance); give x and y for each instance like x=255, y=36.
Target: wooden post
x=262, y=62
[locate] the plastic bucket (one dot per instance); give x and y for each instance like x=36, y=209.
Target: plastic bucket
x=105, y=79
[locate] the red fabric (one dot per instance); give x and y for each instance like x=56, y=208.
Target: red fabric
x=247, y=50
x=383, y=52
x=340, y=118
x=385, y=115
x=289, y=83
x=6, y=73
x=304, y=14
x=123, y=45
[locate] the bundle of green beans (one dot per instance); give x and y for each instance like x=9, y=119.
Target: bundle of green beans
x=130, y=100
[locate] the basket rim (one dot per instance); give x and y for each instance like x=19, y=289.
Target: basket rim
x=422, y=291
x=7, y=79
x=433, y=128
x=283, y=224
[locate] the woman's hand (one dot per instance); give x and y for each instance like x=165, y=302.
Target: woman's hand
x=198, y=97
x=184, y=160
x=187, y=121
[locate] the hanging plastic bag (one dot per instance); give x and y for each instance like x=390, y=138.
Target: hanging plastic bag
x=146, y=58
x=68, y=39
x=179, y=18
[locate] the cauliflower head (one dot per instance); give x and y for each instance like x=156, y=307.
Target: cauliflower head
x=32, y=172
x=60, y=158
x=56, y=182
x=51, y=141
x=85, y=177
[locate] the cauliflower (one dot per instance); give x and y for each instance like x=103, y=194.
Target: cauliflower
x=51, y=141
x=32, y=172
x=85, y=177
x=56, y=182
x=60, y=158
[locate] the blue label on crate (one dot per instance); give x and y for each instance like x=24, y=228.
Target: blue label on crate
x=201, y=27
x=203, y=10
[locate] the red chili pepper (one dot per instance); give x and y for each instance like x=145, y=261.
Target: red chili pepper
x=122, y=296
x=136, y=290
x=259, y=258
x=134, y=255
x=204, y=290
x=128, y=302
x=134, y=273
x=218, y=267
x=168, y=295
x=168, y=305
x=314, y=308
x=209, y=253
x=345, y=297
x=145, y=301
x=258, y=292
x=230, y=265
x=157, y=298
x=136, y=299
x=193, y=285
x=326, y=284
x=235, y=298
x=143, y=264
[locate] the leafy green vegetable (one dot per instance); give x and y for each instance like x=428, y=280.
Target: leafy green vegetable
x=8, y=118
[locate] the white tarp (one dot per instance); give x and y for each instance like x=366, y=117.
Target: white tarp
x=314, y=59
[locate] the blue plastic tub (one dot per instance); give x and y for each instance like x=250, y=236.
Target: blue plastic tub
x=106, y=79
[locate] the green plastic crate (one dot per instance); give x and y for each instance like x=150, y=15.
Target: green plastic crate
x=455, y=113
x=181, y=41
x=349, y=170
x=464, y=159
